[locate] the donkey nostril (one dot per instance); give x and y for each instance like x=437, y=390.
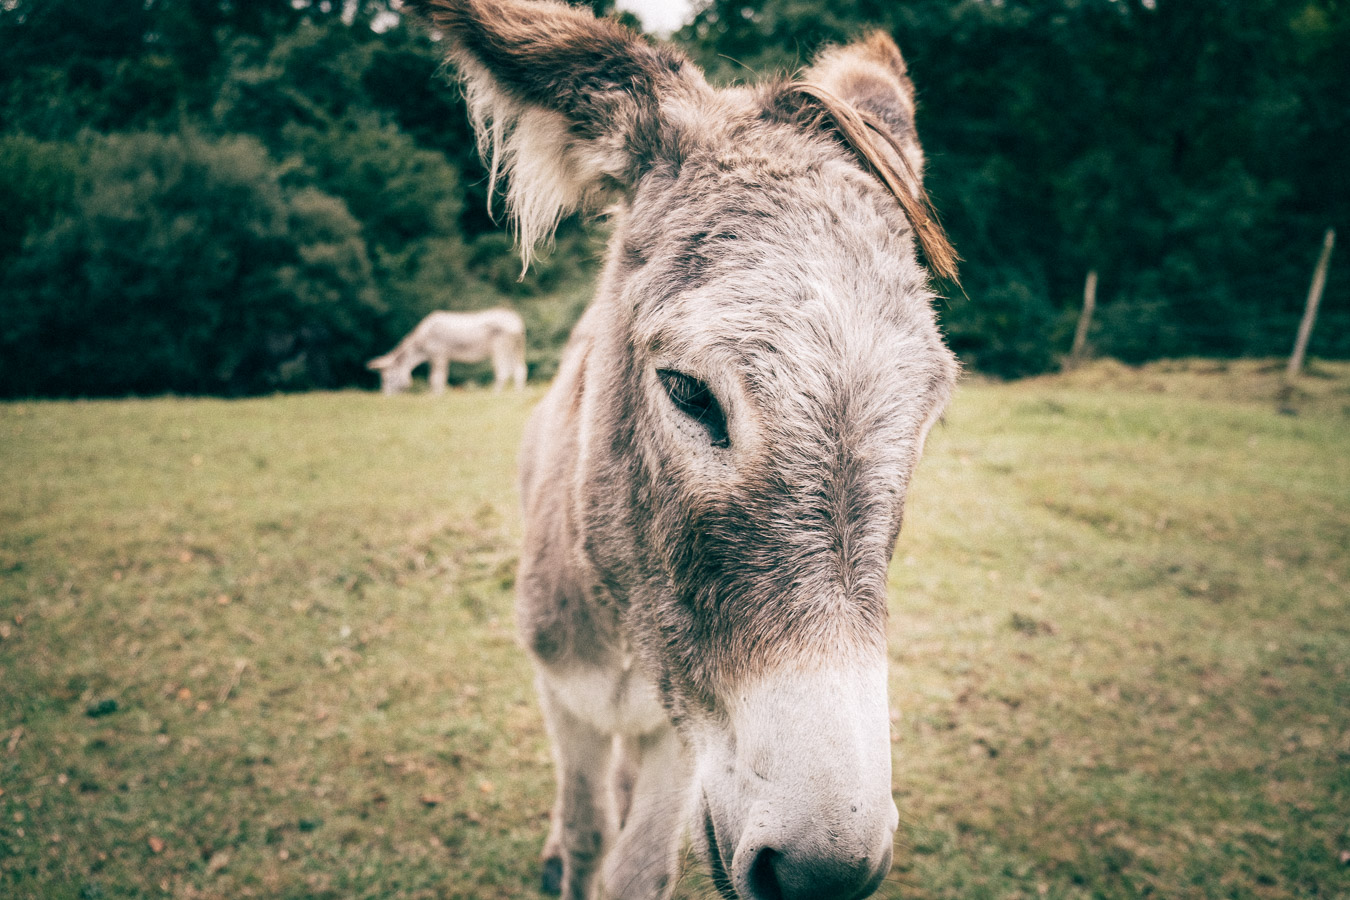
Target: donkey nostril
x=776, y=875
x=763, y=880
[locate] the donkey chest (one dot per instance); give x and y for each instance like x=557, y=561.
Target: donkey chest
x=618, y=699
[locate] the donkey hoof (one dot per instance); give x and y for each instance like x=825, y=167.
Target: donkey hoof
x=551, y=883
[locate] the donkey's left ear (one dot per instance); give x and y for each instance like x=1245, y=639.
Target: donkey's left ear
x=567, y=106
x=870, y=75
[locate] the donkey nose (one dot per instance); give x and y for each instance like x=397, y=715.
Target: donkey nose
x=776, y=873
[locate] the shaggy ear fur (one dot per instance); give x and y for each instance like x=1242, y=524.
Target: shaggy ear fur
x=567, y=106
x=870, y=75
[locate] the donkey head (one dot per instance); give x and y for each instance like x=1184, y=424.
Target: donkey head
x=764, y=367
x=395, y=373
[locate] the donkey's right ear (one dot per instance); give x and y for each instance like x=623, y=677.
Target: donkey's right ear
x=569, y=107
x=379, y=363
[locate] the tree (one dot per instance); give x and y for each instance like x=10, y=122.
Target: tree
x=185, y=265
x=37, y=180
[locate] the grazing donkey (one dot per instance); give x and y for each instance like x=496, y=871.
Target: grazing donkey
x=446, y=337
x=714, y=484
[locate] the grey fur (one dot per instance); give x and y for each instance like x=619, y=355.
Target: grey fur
x=753, y=252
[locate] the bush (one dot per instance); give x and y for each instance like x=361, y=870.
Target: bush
x=183, y=265
x=1008, y=328
x=37, y=178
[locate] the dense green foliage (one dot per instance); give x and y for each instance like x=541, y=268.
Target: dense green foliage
x=210, y=197
x=185, y=265
x=206, y=196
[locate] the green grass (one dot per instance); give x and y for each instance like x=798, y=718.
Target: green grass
x=264, y=648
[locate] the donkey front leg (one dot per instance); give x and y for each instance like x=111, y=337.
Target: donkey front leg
x=643, y=863
x=581, y=822
x=439, y=376
x=501, y=370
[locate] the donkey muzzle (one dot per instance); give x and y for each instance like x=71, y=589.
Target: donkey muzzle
x=797, y=793
x=777, y=860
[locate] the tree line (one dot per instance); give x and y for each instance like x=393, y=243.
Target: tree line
x=209, y=196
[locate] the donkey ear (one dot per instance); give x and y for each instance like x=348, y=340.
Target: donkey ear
x=379, y=363
x=871, y=76
x=864, y=92
x=567, y=106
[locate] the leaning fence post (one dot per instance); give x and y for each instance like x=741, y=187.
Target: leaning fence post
x=1084, y=319
x=1319, y=281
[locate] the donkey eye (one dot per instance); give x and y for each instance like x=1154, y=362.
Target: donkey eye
x=693, y=398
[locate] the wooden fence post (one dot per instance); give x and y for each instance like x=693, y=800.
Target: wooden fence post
x=1305, y=327
x=1084, y=319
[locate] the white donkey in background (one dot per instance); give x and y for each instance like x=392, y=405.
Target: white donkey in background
x=446, y=337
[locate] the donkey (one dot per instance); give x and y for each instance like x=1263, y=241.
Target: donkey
x=446, y=337
x=714, y=484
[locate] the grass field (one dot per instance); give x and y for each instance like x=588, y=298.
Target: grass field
x=264, y=648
